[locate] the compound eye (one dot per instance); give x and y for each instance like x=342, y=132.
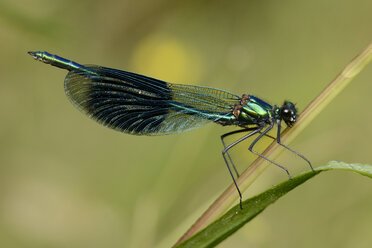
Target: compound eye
x=287, y=113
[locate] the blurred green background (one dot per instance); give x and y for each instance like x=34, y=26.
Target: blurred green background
x=67, y=182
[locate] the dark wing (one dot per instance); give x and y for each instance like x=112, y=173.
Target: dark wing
x=136, y=104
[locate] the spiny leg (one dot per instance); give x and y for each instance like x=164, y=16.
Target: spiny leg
x=223, y=136
x=236, y=185
x=239, y=131
x=280, y=143
x=262, y=156
x=224, y=151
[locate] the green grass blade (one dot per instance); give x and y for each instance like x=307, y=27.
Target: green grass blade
x=236, y=218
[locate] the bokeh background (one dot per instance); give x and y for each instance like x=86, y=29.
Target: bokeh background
x=67, y=182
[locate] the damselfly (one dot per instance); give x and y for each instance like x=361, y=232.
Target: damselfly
x=141, y=105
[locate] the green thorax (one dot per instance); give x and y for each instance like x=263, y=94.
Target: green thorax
x=254, y=110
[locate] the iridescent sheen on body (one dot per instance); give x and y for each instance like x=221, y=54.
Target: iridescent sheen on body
x=141, y=105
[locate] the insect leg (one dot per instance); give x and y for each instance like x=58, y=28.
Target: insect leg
x=280, y=143
x=262, y=156
x=224, y=151
x=224, y=145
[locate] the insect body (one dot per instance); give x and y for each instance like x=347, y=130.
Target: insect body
x=141, y=105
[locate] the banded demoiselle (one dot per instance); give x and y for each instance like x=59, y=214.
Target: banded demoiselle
x=141, y=105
